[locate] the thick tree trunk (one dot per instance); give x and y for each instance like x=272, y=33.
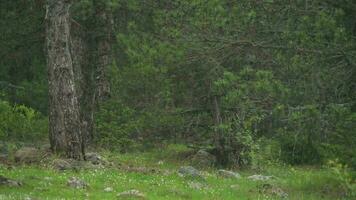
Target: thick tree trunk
x=64, y=121
x=84, y=79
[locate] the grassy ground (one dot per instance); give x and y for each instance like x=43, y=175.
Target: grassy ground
x=162, y=182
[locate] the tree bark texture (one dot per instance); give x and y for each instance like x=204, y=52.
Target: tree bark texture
x=84, y=79
x=64, y=120
x=103, y=37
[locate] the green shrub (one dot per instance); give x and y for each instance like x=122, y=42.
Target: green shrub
x=21, y=123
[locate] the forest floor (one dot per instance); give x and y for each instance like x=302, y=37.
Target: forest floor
x=153, y=175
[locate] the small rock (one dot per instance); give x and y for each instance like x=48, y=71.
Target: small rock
x=108, y=189
x=235, y=187
x=196, y=185
x=189, y=171
x=229, y=174
x=9, y=182
x=94, y=158
x=273, y=190
x=27, y=155
x=258, y=177
x=132, y=194
x=203, y=159
x=60, y=164
x=77, y=183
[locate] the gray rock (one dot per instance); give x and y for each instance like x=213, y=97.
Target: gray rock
x=60, y=164
x=189, y=171
x=132, y=194
x=196, y=185
x=235, y=187
x=273, y=190
x=203, y=159
x=258, y=177
x=76, y=183
x=229, y=174
x=27, y=155
x=108, y=189
x=9, y=182
x=95, y=158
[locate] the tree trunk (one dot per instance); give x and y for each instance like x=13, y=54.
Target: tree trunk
x=84, y=79
x=103, y=37
x=64, y=121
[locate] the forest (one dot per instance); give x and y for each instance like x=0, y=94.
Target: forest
x=178, y=99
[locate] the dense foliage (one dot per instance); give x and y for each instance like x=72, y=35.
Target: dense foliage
x=240, y=78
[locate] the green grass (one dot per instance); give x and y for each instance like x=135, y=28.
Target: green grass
x=299, y=183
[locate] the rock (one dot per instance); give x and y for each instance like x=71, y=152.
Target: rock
x=273, y=190
x=108, y=189
x=76, y=183
x=27, y=155
x=9, y=182
x=95, y=158
x=235, y=187
x=60, y=164
x=189, y=171
x=196, y=185
x=132, y=194
x=258, y=177
x=229, y=174
x=203, y=159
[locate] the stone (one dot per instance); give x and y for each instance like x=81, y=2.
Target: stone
x=235, y=187
x=273, y=190
x=9, y=182
x=60, y=164
x=27, y=155
x=108, y=189
x=258, y=177
x=203, y=159
x=76, y=183
x=189, y=171
x=229, y=174
x=196, y=185
x=132, y=194
x=95, y=158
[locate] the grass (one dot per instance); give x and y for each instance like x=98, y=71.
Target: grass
x=44, y=183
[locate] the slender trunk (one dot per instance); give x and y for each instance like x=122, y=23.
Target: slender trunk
x=103, y=37
x=218, y=137
x=64, y=121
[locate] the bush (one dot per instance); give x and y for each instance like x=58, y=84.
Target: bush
x=123, y=128
x=21, y=123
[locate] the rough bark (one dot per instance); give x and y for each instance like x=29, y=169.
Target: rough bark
x=103, y=37
x=84, y=79
x=64, y=121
